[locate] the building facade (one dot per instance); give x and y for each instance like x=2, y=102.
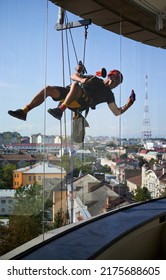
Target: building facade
x=36, y=173
x=6, y=202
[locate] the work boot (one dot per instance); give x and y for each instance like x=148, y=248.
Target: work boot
x=56, y=113
x=19, y=114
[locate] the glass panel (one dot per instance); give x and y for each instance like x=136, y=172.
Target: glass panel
x=48, y=180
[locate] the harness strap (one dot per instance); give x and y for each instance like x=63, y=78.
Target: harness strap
x=84, y=101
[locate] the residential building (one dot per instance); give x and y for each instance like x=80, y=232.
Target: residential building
x=55, y=190
x=154, y=179
x=47, y=139
x=156, y=154
x=36, y=173
x=20, y=159
x=88, y=196
x=34, y=148
x=7, y=201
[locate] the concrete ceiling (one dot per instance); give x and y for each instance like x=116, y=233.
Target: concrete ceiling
x=141, y=20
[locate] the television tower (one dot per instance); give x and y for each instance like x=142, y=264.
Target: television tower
x=146, y=132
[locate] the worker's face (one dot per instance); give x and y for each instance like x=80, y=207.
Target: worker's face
x=114, y=81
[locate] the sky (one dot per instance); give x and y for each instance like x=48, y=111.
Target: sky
x=31, y=58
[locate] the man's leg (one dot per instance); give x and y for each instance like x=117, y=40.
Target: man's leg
x=75, y=92
x=36, y=101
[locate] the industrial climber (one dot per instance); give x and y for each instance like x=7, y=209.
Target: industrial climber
x=86, y=91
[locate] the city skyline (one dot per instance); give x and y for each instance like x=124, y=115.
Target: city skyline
x=30, y=54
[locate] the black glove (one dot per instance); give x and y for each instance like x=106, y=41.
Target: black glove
x=82, y=68
x=132, y=96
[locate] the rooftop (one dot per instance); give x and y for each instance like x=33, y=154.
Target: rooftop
x=42, y=168
x=7, y=193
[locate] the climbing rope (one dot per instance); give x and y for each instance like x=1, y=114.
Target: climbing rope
x=68, y=33
x=85, y=40
x=120, y=99
x=44, y=127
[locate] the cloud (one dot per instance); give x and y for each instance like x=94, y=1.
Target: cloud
x=8, y=85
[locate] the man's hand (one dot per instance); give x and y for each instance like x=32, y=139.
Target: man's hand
x=130, y=101
x=132, y=98
x=80, y=68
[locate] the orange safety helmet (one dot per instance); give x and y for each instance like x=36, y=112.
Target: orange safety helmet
x=116, y=73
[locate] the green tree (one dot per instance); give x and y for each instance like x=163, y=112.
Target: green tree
x=86, y=168
x=69, y=162
x=142, y=194
x=163, y=193
x=6, y=176
x=112, y=144
x=65, y=161
x=7, y=137
x=4, y=232
x=58, y=219
x=124, y=156
x=29, y=216
x=105, y=169
x=152, y=162
x=142, y=161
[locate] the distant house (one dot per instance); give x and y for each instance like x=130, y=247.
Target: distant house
x=49, y=139
x=55, y=190
x=35, y=148
x=152, y=154
x=153, y=179
x=36, y=173
x=91, y=197
x=7, y=201
x=20, y=159
x=134, y=182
